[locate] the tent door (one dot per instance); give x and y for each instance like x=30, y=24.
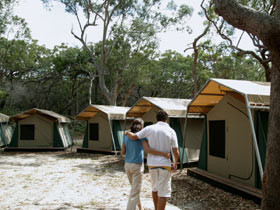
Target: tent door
x=217, y=148
x=175, y=124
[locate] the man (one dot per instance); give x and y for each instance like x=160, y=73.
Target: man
x=161, y=137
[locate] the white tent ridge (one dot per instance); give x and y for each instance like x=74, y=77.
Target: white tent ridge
x=174, y=107
x=257, y=94
x=58, y=117
x=113, y=112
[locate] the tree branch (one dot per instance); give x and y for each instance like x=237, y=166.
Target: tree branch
x=262, y=25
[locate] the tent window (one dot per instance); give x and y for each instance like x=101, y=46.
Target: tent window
x=94, y=131
x=217, y=138
x=147, y=123
x=27, y=132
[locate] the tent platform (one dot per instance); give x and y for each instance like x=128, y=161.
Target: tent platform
x=34, y=149
x=93, y=151
x=228, y=185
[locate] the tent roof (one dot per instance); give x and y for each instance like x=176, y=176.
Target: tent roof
x=113, y=112
x=173, y=106
x=4, y=118
x=49, y=114
x=258, y=94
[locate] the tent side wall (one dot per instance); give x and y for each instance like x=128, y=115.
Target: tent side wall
x=2, y=136
x=61, y=135
x=194, y=134
x=117, y=132
x=5, y=134
x=67, y=134
x=195, y=127
x=8, y=132
x=203, y=155
x=150, y=116
x=43, y=132
x=85, y=140
x=14, y=139
x=236, y=160
x=57, y=138
x=118, y=127
x=261, y=127
x=104, y=141
x=176, y=124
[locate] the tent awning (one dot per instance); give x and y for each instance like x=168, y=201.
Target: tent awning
x=173, y=106
x=113, y=112
x=50, y=114
x=257, y=93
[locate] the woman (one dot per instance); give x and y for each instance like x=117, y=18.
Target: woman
x=134, y=158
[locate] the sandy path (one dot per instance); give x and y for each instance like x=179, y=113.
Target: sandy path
x=65, y=181
x=69, y=180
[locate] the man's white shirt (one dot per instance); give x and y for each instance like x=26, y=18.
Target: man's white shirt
x=161, y=137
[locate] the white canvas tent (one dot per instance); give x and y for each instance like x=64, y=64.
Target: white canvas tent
x=5, y=130
x=40, y=129
x=234, y=139
x=147, y=108
x=104, y=133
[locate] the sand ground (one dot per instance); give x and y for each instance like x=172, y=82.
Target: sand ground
x=68, y=180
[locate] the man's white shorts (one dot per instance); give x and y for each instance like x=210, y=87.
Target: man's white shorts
x=161, y=181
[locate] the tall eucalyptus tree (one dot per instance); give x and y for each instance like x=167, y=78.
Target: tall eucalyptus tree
x=265, y=26
x=132, y=22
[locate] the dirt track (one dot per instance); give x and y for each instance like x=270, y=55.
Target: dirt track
x=69, y=180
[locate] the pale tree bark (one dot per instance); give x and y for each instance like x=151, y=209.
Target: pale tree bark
x=90, y=89
x=267, y=29
x=100, y=63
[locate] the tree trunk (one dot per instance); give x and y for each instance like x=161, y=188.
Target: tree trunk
x=131, y=88
x=271, y=181
x=90, y=89
x=267, y=29
x=195, y=58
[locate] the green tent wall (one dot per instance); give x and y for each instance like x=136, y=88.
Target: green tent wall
x=175, y=124
x=261, y=127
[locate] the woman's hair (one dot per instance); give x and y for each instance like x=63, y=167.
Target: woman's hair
x=137, y=125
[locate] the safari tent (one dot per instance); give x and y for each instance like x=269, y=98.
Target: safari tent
x=234, y=140
x=40, y=129
x=104, y=131
x=5, y=130
x=147, y=108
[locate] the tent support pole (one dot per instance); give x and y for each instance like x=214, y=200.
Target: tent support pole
x=112, y=135
x=184, y=141
x=254, y=139
x=124, y=126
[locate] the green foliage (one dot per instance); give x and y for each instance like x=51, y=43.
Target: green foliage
x=222, y=62
x=167, y=77
x=5, y=15
x=129, y=28
x=12, y=25
x=34, y=76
